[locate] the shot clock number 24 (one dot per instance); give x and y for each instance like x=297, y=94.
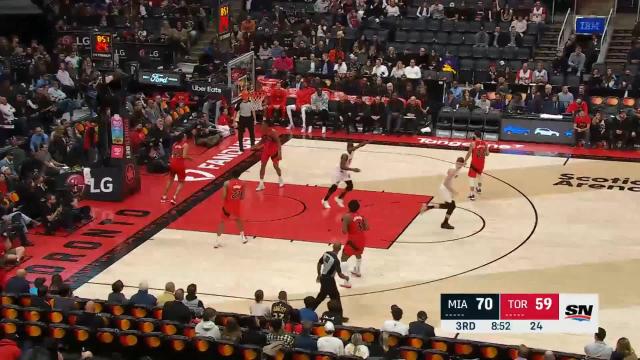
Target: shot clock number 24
x=519, y=313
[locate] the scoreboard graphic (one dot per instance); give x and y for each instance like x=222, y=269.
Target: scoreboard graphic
x=519, y=313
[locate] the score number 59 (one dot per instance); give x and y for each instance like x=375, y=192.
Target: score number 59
x=543, y=303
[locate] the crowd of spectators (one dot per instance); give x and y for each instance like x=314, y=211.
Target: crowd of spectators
x=354, y=47
x=275, y=326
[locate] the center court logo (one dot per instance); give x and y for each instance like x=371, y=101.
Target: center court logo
x=616, y=183
x=578, y=312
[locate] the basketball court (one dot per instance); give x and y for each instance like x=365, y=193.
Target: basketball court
x=542, y=224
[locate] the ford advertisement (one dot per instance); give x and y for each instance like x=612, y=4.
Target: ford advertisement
x=537, y=130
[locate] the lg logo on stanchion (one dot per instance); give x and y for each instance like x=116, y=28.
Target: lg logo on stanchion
x=105, y=185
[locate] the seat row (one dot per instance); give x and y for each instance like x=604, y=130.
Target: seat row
x=462, y=122
x=447, y=38
x=455, y=26
x=467, y=51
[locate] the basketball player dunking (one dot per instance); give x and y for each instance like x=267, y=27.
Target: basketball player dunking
x=448, y=194
x=343, y=173
x=271, y=149
x=478, y=151
x=177, y=167
x=232, y=196
x=355, y=226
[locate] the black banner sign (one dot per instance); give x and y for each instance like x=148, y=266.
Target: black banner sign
x=157, y=54
x=205, y=89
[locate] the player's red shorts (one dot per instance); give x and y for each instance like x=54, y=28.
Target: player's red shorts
x=177, y=168
x=269, y=154
x=230, y=211
x=350, y=251
x=475, y=170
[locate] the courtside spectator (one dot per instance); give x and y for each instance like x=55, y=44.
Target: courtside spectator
x=523, y=352
x=330, y=343
x=208, y=327
x=254, y=334
x=307, y=313
x=581, y=127
x=9, y=349
x=167, y=294
x=176, y=310
x=623, y=350
x=63, y=300
x=17, y=284
x=319, y=106
x=549, y=355
x=395, y=325
x=191, y=300
x=116, y=296
x=89, y=317
x=232, y=331
x=420, y=326
x=598, y=349
x=565, y=97
x=277, y=334
x=304, y=340
x=56, y=284
x=577, y=105
x=259, y=308
x=142, y=297
x=357, y=347
x=281, y=308
x=333, y=313
x=40, y=301
x=39, y=281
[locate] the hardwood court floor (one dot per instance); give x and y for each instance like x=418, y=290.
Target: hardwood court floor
x=530, y=231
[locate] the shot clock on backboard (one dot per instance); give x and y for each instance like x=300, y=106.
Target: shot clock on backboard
x=519, y=313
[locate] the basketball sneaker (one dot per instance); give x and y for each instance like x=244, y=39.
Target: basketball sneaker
x=280, y=182
x=289, y=127
x=478, y=190
x=472, y=197
x=339, y=201
x=164, y=199
x=310, y=129
x=173, y=201
x=260, y=186
x=325, y=204
x=356, y=274
x=303, y=130
x=446, y=225
x=346, y=285
x=244, y=239
x=324, y=130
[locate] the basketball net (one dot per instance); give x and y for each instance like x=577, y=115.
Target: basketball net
x=256, y=97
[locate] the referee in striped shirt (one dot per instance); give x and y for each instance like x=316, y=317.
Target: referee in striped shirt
x=328, y=266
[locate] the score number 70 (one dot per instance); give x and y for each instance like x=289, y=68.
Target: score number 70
x=541, y=303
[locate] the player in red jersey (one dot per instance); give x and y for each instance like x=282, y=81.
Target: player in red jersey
x=478, y=151
x=177, y=167
x=271, y=149
x=232, y=196
x=355, y=226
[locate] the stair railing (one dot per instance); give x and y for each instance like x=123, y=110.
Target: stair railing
x=607, y=34
x=566, y=25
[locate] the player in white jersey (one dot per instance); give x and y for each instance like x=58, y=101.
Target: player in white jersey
x=343, y=174
x=448, y=193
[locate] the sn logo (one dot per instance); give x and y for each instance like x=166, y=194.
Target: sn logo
x=578, y=312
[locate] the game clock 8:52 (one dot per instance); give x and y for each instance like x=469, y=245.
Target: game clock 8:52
x=501, y=326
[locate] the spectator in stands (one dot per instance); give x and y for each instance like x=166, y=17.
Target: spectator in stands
x=481, y=38
x=259, y=308
x=254, y=334
x=38, y=138
x=208, y=327
x=281, y=308
x=39, y=281
x=467, y=101
x=329, y=343
x=283, y=64
x=395, y=325
x=500, y=38
x=598, y=349
x=423, y=10
x=63, y=301
x=276, y=334
x=506, y=14
x=341, y=68
x=395, y=110
x=523, y=352
x=116, y=296
x=39, y=301
x=248, y=26
x=420, y=326
x=379, y=69
x=192, y=302
x=581, y=127
x=623, y=350
x=319, y=106
x=167, y=294
x=540, y=75
x=515, y=37
x=357, y=347
x=18, y=284
x=321, y=6
x=576, y=61
x=276, y=50
x=68, y=85
x=398, y=71
x=142, y=297
x=483, y=103
x=499, y=103
x=264, y=53
x=595, y=81
x=9, y=349
x=55, y=216
x=619, y=132
x=176, y=310
x=333, y=313
x=307, y=313
x=538, y=13
x=412, y=115
x=437, y=10
x=392, y=9
x=304, y=340
x=524, y=76
x=56, y=284
x=413, y=72
x=7, y=111
x=565, y=98
x=577, y=105
x=520, y=25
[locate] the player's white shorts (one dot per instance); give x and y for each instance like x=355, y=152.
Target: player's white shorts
x=447, y=196
x=341, y=176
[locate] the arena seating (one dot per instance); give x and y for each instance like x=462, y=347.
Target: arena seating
x=140, y=329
